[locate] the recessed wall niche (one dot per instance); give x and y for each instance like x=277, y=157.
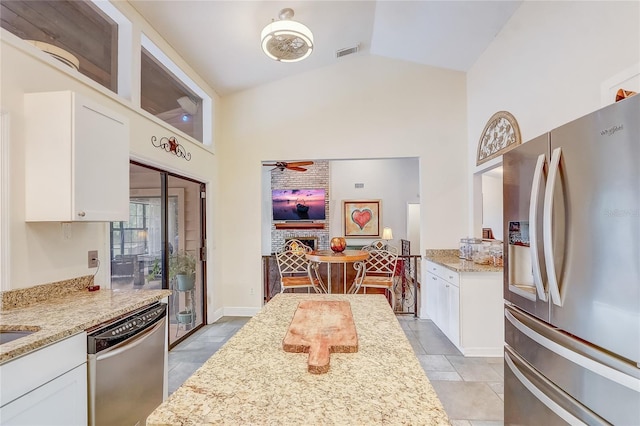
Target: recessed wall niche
x=316, y=176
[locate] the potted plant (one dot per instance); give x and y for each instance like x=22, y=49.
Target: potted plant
x=182, y=267
x=155, y=272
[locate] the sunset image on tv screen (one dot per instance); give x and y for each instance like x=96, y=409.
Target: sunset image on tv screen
x=298, y=204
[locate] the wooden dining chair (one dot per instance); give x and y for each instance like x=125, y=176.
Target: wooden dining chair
x=295, y=269
x=378, y=269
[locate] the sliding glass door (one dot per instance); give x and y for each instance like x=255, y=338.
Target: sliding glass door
x=161, y=245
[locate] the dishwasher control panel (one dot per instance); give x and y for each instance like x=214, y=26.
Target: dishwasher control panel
x=113, y=333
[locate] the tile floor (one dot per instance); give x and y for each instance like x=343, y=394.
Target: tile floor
x=471, y=389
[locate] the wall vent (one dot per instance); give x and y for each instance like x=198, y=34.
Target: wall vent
x=347, y=51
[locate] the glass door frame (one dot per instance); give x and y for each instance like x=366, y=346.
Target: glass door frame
x=165, y=194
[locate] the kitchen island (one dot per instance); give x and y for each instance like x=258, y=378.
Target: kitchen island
x=252, y=380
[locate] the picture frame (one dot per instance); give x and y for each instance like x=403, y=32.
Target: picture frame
x=500, y=135
x=362, y=218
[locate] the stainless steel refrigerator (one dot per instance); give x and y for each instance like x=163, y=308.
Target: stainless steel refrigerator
x=572, y=272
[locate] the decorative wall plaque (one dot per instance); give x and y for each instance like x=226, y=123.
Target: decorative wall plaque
x=499, y=136
x=170, y=144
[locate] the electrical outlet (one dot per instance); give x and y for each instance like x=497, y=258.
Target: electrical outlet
x=251, y=291
x=93, y=259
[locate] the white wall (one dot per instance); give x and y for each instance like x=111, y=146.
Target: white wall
x=492, y=204
x=363, y=107
x=413, y=228
x=548, y=64
x=394, y=181
x=38, y=254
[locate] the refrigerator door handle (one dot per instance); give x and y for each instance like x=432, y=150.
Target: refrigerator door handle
x=547, y=231
x=538, y=176
x=538, y=393
x=583, y=361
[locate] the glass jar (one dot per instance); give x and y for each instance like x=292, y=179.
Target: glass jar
x=481, y=254
x=462, y=252
x=496, y=254
x=468, y=246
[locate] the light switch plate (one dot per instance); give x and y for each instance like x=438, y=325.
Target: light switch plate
x=93, y=259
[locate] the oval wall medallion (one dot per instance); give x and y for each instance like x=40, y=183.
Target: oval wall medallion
x=499, y=136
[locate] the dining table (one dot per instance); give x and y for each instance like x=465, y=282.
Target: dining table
x=356, y=257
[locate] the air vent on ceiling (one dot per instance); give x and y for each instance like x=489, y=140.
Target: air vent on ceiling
x=347, y=51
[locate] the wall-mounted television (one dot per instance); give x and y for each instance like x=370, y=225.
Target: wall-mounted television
x=298, y=204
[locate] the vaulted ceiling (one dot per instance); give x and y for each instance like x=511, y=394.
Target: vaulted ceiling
x=221, y=39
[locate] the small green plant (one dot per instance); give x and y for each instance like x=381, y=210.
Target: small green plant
x=156, y=271
x=182, y=263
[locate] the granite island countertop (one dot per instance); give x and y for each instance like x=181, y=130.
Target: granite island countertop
x=62, y=315
x=252, y=380
x=449, y=259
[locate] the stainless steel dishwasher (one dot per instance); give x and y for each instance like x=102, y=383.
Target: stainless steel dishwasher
x=126, y=360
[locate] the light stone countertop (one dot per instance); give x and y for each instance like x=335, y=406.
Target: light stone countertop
x=63, y=315
x=449, y=259
x=252, y=380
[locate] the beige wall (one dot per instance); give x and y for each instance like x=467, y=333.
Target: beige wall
x=394, y=181
x=363, y=107
x=548, y=66
x=37, y=252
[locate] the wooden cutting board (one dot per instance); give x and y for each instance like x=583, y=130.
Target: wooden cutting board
x=319, y=328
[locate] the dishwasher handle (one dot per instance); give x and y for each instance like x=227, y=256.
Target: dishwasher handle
x=138, y=339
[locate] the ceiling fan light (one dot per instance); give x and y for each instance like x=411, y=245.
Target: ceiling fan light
x=286, y=40
x=188, y=105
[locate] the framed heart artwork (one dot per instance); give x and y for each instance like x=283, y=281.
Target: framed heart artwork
x=361, y=218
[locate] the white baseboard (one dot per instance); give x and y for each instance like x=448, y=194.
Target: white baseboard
x=484, y=352
x=231, y=312
x=240, y=311
x=215, y=315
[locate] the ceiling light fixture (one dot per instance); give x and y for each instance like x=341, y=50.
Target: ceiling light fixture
x=188, y=105
x=286, y=40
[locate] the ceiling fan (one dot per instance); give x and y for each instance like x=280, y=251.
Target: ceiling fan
x=281, y=165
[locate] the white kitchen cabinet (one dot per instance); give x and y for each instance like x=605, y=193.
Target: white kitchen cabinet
x=443, y=306
x=77, y=159
x=432, y=296
x=47, y=386
x=453, y=311
x=468, y=308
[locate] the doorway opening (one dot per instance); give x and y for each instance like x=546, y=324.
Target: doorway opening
x=162, y=245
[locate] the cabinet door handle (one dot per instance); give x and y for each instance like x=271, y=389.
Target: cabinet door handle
x=81, y=214
x=450, y=277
